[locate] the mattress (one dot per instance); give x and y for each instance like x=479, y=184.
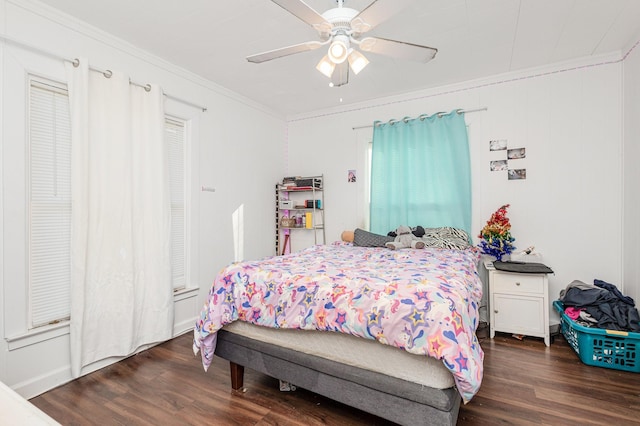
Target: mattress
x=354, y=351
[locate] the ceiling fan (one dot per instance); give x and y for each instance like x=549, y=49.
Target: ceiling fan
x=341, y=28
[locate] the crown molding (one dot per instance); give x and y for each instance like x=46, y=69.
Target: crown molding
x=112, y=41
x=475, y=84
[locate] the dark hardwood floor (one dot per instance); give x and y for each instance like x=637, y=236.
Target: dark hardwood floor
x=524, y=383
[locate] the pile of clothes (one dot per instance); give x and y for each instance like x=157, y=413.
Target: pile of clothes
x=600, y=305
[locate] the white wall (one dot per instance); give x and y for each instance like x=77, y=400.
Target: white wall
x=569, y=119
x=222, y=140
x=631, y=153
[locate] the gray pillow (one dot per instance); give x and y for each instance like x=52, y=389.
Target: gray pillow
x=364, y=238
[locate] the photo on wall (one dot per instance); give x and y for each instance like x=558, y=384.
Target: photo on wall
x=498, y=145
x=351, y=176
x=517, y=174
x=516, y=153
x=498, y=165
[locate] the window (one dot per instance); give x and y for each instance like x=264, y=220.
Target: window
x=49, y=202
x=175, y=131
x=437, y=150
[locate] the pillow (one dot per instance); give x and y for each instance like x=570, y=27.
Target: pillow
x=363, y=238
x=446, y=237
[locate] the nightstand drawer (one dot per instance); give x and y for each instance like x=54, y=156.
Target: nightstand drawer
x=518, y=283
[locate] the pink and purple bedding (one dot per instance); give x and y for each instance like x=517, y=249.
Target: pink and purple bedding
x=422, y=301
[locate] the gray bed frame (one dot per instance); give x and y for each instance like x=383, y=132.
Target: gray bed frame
x=397, y=400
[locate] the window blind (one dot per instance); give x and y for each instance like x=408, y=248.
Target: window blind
x=49, y=203
x=175, y=140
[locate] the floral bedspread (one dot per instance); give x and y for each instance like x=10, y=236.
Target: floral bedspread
x=423, y=301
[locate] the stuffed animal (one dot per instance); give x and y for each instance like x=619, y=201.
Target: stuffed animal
x=405, y=239
x=418, y=231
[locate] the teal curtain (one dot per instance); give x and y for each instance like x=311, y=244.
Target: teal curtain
x=421, y=173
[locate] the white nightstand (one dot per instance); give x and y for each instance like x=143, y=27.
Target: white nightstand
x=518, y=303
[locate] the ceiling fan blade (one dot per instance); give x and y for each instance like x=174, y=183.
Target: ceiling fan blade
x=376, y=12
x=304, y=12
x=340, y=75
x=284, y=51
x=398, y=49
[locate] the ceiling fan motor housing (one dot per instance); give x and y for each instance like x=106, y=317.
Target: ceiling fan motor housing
x=340, y=18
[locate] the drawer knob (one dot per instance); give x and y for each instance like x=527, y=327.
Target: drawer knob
x=495, y=311
x=517, y=283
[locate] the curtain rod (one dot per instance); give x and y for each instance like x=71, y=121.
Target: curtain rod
x=106, y=73
x=421, y=116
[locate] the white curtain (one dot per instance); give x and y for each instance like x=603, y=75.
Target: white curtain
x=121, y=291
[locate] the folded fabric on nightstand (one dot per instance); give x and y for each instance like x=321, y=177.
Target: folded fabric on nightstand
x=523, y=267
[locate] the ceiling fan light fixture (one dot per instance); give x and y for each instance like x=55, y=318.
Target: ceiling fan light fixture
x=326, y=66
x=357, y=61
x=338, y=51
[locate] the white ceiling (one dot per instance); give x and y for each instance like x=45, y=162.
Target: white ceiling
x=474, y=38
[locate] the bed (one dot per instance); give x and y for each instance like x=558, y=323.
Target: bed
x=391, y=332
